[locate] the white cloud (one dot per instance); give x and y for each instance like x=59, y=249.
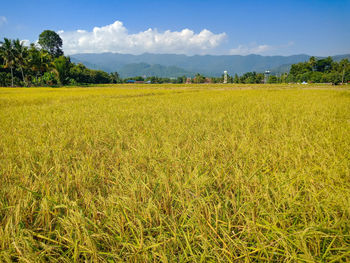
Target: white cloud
x=115, y=38
x=254, y=48
x=250, y=49
x=3, y=20
x=25, y=42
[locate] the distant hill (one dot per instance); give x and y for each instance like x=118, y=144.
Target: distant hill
x=172, y=65
x=141, y=69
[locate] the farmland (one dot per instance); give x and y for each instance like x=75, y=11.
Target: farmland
x=175, y=173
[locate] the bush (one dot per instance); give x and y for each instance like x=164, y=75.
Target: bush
x=49, y=78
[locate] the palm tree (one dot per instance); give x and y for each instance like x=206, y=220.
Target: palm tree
x=20, y=52
x=39, y=60
x=62, y=65
x=344, y=63
x=312, y=62
x=6, y=51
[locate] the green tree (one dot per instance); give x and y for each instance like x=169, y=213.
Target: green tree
x=101, y=76
x=249, y=77
x=20, y=54
x=49, y=78
x=312, y=62
x=324, y=65
x=272, y=79
x=179, y=80
x=39, y=61
x=344, y=66
x=7, y=52
x=52, y=42
x=62, y=66
x=114, y=77
x=236, y=79
x=80, y=73
x=259, y=78
x=199, y=78
x=316, y=77
x=300, y=68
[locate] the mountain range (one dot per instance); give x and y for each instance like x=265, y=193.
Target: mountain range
x=173, y=65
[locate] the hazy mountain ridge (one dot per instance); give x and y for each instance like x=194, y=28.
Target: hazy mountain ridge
x=172, y=65
x=141, y=69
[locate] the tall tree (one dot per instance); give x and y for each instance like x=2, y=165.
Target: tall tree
x=6, y=51
x=39, y=60
x=52, y=42
x=312, y=62
x=324, y=65
x=199, y=78
x=115, y=78
x=20, y=54
x=344, y=64
x=62, y=66
x=236, y=79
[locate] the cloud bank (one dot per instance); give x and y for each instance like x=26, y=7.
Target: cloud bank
x=254, y=48
x=250, y=49
x=115, y=38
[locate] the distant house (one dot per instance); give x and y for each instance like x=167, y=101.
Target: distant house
x=135, y=81
x=207, y=80
x=188, y=81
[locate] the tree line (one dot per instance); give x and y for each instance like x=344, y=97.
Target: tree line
x=320, y=71
x=44, y=64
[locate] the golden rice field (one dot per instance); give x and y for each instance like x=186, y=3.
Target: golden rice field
x=171, y=173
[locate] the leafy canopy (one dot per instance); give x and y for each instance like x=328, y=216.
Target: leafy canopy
x=52, y=42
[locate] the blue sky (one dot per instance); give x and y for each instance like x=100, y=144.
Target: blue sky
x=190, y=27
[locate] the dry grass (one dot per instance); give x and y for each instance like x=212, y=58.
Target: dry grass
x=175, y=174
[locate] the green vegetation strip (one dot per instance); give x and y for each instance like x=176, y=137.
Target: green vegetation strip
x=175, y=174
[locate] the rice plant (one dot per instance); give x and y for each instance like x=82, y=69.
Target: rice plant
x=171, y=173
